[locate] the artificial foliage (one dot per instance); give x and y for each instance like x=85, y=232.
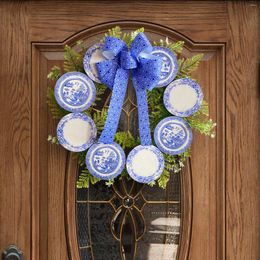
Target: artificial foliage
x=200, y=121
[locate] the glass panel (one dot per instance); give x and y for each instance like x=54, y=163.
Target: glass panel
x=129, y=221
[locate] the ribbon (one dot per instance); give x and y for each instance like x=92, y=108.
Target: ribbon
x=114, y=73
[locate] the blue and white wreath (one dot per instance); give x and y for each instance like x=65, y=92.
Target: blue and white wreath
x=169, y=102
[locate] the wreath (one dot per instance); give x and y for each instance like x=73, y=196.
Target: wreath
x=88, y=96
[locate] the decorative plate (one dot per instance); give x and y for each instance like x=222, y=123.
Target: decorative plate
x=76, y=132
x=183, y=97
x=170, y=65
x=145, y=163
x=93, y=56
x=75, y=92
x=173, y=135
x=105, y=161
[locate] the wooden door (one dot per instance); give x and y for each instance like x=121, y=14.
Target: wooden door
x=216, y=199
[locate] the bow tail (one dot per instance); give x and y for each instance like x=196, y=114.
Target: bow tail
x=143, y=115
x=115, y=107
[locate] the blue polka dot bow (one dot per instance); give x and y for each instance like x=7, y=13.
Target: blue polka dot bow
x=114, y=73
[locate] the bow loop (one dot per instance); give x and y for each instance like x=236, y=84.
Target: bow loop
x=112, y=47
x=107, y=71
x=146, y=67
x=140, y=47
x=148, y=73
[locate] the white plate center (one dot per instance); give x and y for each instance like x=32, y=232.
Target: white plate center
x=77, y=132
x=145, y=163
x=183, y=98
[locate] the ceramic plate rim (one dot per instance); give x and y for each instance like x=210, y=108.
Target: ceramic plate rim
x=105, y=176
x=142, y=179
x=68, y=146
x=163, y=83
x=68, y=107
x=86, y=61
x=168, y=151
x=193, y=84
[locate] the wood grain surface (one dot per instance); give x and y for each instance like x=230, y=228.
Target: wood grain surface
x=243, y=128
x=226, y=193
x=15, y=128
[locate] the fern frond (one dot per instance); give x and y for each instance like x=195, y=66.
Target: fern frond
x=175, y=47
x=85, y=179
x=186, y=66
x=55, y=73
x=52, y=139
x=55, y=109
x=126, y=139
x=73, y=61
x=114, y=32
x=201, y=122
x=99, y=117
x=164, y=179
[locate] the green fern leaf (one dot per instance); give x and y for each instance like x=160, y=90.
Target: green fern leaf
x=187, y=66
x=55, y=73
x=126, y=140
x=175, y=47
x=73, y=61
x=85, y=179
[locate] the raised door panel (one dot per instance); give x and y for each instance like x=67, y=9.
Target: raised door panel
x=191, y=202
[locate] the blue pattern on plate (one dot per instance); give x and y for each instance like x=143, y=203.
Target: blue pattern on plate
x=184, y=81
x=65, y=143
x=173, y=135
x=89, y=68
x=170, y=65
x=105, y=161
x=131, y=170
x=75, y=92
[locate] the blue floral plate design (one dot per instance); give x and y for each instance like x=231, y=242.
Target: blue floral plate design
x=75, y=92
x=145, y=163
x=76, y=132
x=183, y=97
x=170, y=65
x=173, y=135
x=105, y=161
x=92, y=56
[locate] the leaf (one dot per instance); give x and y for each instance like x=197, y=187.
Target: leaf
x=186, y=66
x=99, y=118
x=52, y=139
x=110, y=182
x=201, y=122
x=175, y=47
x=56, y=111
x=114, y=32
x=85, y=179
x=55, y=73
x=126, y=140
x=73, y=61
x=164, y=179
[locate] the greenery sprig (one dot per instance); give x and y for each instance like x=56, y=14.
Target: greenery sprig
x=200, y=121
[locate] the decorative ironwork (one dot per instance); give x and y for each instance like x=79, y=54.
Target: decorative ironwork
x=129, y=221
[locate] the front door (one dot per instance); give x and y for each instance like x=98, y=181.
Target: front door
x=208, y=211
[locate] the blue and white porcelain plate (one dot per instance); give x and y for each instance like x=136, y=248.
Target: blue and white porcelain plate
x=76, y=132
x=173, y=135
x=75, y=92
x=105, y=161
x=145, y=163
x=169, y=67
x=183, y=97
x=93, y=56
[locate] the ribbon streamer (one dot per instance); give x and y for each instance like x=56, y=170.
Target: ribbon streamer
x=114, y=72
